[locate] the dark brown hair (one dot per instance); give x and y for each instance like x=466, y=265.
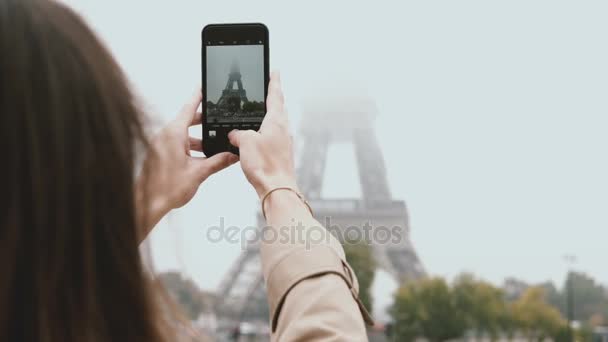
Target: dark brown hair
x=70, y=268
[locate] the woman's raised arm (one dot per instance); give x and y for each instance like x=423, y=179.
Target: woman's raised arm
x=312, y=291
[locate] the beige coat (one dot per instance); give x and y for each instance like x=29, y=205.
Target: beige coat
x=312, y=291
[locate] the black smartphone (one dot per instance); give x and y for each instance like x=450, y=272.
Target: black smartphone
x=235, y=70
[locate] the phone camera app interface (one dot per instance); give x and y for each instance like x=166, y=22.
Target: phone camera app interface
x=235, y=84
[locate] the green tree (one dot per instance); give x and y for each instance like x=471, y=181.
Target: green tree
x=535, y=317
x=590, y=298
x=407, y=314
x=481, y=304
x=427, y=309
x=253, y=106
x=359, y=256
x=584, y=334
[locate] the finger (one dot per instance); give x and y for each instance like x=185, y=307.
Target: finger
x=195, y=144
x=275, y=99
x=205, y=167
x=186, y=115
x=279, y=119
x=275, y=102
x=237, y=138
x=197, y=119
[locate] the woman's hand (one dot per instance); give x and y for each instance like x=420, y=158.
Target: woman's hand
x=170, y=175
x=267, y=156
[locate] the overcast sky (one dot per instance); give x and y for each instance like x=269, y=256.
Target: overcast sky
x=493, y=120
x=249, y=59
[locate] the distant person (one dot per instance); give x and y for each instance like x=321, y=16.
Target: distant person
x=73, y=213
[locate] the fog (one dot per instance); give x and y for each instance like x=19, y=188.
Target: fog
x=492, y=118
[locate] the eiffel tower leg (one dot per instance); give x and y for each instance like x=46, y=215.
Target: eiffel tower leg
x=312, y=166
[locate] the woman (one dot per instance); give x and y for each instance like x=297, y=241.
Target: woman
x=73, y=214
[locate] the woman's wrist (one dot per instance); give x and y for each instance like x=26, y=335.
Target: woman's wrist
x=285, y=201
x=150, y=209
x=271, y=183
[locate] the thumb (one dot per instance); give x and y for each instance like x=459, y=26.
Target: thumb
x=237, y=137
x=205, y=167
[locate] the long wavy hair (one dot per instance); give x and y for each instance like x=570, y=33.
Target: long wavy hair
x=70, y=131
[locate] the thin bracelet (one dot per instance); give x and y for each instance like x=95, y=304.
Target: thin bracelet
x=300, y=196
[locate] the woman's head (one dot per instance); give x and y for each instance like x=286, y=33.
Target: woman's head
x=70, y=268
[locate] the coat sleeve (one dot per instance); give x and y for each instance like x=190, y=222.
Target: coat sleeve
x=313, y=293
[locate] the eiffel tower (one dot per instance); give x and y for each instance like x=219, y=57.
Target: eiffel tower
x=231, y=97
x=242, y=295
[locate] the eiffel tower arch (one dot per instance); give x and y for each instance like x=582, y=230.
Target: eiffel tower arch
x=241, y=294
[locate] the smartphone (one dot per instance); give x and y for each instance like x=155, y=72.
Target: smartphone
x=235, y=70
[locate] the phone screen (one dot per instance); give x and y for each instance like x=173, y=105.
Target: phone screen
x=235, y=84
x=235, y=79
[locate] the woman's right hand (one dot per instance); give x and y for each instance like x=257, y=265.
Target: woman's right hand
x=267, y=156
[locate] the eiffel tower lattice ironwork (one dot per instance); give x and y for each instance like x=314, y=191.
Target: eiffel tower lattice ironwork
x=241, y=295
x=233, y=97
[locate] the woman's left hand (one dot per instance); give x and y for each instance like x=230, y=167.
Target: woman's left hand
x=170, y=175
